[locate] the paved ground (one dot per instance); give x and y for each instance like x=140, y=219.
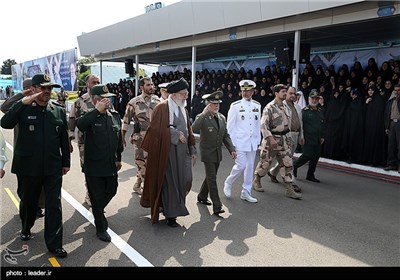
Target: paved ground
x=346, y=220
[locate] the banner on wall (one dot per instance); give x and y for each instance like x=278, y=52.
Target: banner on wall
x=61, y=68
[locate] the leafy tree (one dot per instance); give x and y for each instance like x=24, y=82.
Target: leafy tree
x=6, y=68
x=82, y=63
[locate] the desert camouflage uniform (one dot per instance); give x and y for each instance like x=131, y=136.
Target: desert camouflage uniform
x=275, y=122
x=82, y=105
x=139, y=109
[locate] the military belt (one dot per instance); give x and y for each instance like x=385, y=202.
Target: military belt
x=280, y=132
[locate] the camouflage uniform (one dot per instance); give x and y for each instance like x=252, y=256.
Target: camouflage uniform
x=139, y=109
x=82, y=105
x=275, y=121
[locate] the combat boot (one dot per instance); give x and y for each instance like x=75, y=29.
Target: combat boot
x=257, y=183
x=137, y=187
x=291, y=193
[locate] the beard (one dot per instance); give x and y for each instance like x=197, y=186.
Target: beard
x=181, y=102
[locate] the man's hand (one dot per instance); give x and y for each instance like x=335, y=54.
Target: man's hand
x=272, y=142
x=27, y=92
x=27, y=100
x=194, y=158
x=103, y=105
x=301, y=141
x=119, y=165
x=234, y=155
x=182, y=137
x=65, y=170
x=2, y=172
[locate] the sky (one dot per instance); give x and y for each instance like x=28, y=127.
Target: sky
x=34, y=29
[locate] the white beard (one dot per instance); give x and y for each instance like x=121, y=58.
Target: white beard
x=181, y=103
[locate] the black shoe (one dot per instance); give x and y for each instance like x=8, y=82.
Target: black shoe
x=204, y=201
x=25, y=236
x=295, y=172
x=171, y=222
x=59, y=253
x=104, y=236
x=39, y=213
x=390, y=167
x=313, y=179
x=219, y=210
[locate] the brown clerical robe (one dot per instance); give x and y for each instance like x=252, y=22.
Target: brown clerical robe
x=157, y=143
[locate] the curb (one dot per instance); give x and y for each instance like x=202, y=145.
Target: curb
x=358, y=169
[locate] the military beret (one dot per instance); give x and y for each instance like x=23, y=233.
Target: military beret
x=247, y=84
x=27, y=83
x=178, y=85
x=314, y=93
x=101, y=90
x=43, y=80
x=214, y=97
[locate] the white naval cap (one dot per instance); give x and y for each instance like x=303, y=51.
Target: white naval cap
x=247, y=84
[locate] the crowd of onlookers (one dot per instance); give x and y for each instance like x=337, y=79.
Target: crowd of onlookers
x=7, y=92
x=348, y=94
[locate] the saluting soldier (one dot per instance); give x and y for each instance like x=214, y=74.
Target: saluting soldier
x=81, y=105
x=140, y=109
x=277, y=141
x=314, y=131
x=244, y=125
x=211, y=125
x=103, y=147
x=41, y=158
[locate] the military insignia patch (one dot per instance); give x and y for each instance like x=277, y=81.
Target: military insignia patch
x=46, y=78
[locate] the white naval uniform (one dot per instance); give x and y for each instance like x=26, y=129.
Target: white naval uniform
x=244, y=127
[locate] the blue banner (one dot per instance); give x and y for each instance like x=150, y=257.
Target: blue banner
x=61, y=68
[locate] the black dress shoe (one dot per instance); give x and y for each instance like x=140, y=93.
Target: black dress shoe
x=25, y=236
x=104, y=236
x=313, y=179
x=59, y=253
x=390, y=167
x=39, y=213
x=204, y=201
x=219, y=210
x=171, y=222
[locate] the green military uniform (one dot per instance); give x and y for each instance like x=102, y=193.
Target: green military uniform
x=314, y=130
x=213, y=134
x=103, y=148
x=41, y=152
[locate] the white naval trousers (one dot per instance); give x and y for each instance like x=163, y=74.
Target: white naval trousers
x=244, y=163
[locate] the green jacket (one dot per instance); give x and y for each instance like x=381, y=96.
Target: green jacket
x=313, y=125
x=42, y=146
x=212, y=138
x=103, y=142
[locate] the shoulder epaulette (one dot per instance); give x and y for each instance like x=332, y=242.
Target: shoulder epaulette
x=236, y=102
x=306, y=108
x=255, y=101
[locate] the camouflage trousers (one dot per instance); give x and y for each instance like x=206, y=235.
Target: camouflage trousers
x=282, y=153
x=140, y=158
x=275, y=168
